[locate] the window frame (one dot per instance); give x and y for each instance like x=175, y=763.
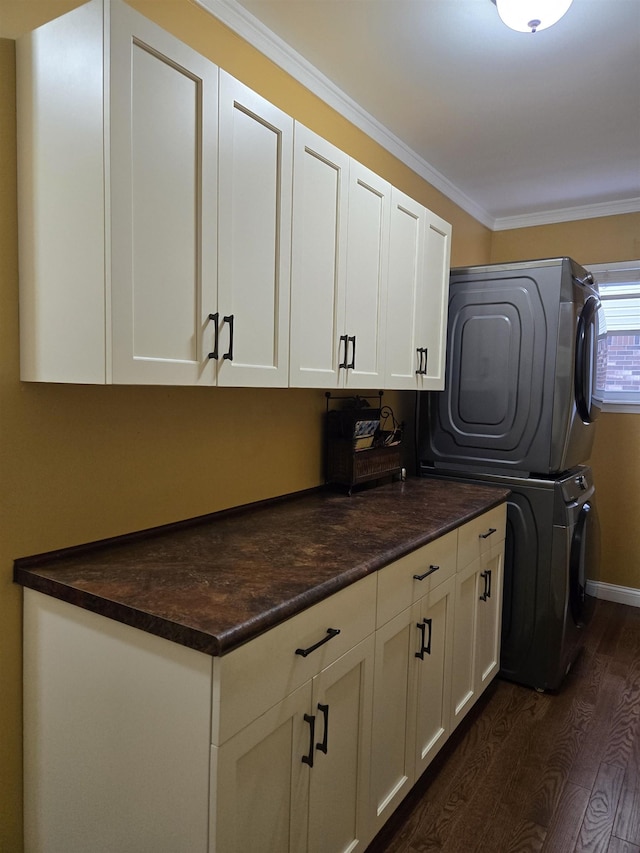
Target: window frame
x=617, y=278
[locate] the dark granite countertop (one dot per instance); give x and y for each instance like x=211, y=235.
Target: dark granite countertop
x=220, y=581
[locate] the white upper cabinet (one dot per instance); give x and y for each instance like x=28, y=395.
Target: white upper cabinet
x=254, y=247
x=367, y=270
x=117, y=200
x=419, y=255
x=169, y=235
x=318, y=261
x=404, y=302
x=339, y=268
x=432, y=318
x=163, y=204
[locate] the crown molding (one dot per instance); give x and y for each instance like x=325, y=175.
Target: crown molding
x=567, y=214
x=253, y=31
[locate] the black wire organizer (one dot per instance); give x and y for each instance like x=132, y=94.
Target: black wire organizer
x=363, y=440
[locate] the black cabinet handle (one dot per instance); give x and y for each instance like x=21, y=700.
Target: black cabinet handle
x=487, y=585
x=425, y=648
x=331, y=632
x=488, y=533
x=344, y=339
x=308, y=759
x=322, y=746
x=352, y=363
x=429, y=571
x=228, y=318
x=214, y=318
x=419, y=351
x=424, y=367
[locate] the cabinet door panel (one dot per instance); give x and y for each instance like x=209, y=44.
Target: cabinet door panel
x=163, y=170
x=367, y=269
x=256, y=148
x=392, y=743
x=318, y=271
x=260, y=785
x=432, y=314
x=338, y=803
x=406, y=252
x=463, y=679
x=490, y=617
x=433, y=673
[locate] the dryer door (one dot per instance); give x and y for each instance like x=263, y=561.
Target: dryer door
x=584, y=562
x=586, y=364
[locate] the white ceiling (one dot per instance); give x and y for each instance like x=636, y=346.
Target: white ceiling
x=517, y=128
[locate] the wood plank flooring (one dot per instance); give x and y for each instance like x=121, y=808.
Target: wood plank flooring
x=538, y=772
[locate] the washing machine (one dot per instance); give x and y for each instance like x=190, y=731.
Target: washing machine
x=552, y=550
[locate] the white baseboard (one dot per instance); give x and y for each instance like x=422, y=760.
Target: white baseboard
x=611, y=592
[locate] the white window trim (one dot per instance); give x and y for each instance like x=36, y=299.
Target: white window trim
x=616, y=278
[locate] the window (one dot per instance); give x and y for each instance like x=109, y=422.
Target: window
x=619, y=286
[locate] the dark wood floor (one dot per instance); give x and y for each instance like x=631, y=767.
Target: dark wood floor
x=538, y=772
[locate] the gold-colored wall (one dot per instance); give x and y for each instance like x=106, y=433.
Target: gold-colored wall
x=616, y=454
x=82, y=463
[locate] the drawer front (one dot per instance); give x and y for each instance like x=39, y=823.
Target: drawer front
x=251, y=679
x=476, y=537
x=398, y=586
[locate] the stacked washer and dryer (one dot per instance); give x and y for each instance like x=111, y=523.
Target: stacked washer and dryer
x=526, y=358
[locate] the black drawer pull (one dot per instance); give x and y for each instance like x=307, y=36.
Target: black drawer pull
x=308, y=759
x=352, y=363
x=322, y=746
x=229, y=354
x=488, y=533
x=487, y=585
x=345, y=339
x=425, y=648
x=214, y=318
x=331, y=632
x=422, y=361
x=429, y=571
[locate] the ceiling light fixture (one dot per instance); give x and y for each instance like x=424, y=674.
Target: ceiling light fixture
x=529, y=16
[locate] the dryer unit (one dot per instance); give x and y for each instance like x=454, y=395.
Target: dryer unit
x=526, y=354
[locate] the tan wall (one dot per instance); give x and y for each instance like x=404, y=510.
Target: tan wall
x=616, y=454
x=81, y=463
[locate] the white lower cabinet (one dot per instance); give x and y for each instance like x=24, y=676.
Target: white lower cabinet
x=411, y=697
x=303, y=739
x=437, y=648
x=433, y=672
x=478, y=614
x=296, y=778
x=292, y=732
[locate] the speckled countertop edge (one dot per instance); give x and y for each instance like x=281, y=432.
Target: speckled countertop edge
x=217, y=583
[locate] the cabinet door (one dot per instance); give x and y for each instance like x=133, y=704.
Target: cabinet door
x=489, y=616
x=404, y=306
x=256, y=155
x=433, y=659
x=260, y=783
x=163, y=210
x=393, y=740
x=339, y=787
x=431, y=331
x=367, y=271
x=318, y=264
x=463, y=676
